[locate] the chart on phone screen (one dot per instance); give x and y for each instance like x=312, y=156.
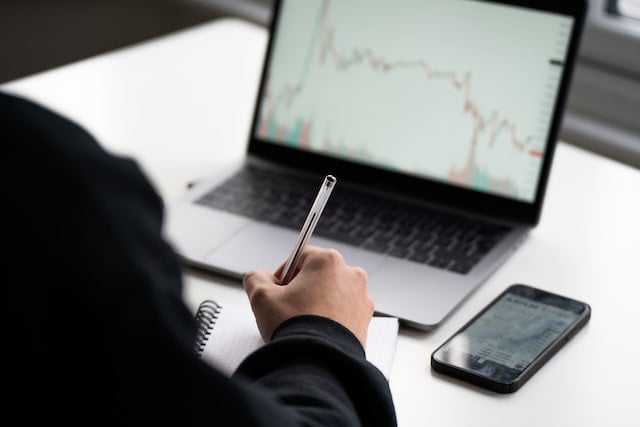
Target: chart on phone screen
x=515, y=330
x=378, y=81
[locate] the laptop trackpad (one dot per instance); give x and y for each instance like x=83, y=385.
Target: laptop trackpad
x=352, y=255
x=257, y=246
x=265, y=247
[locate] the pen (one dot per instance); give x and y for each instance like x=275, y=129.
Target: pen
x=307, y=228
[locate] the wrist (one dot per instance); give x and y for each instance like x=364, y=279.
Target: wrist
x=320, y=327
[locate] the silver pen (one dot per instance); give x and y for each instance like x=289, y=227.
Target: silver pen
x=307, y=228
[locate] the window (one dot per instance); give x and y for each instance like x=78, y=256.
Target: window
x=604, y=102
x=625, y=8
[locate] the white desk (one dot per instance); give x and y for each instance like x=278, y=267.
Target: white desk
x=181, y=105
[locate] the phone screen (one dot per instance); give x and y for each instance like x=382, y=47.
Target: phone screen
x=505, y=338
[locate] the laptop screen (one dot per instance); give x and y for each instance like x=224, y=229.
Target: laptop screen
x=462, y=93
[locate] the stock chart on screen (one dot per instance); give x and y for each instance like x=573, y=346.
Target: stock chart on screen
x=461, y=92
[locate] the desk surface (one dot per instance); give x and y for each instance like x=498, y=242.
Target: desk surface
x=181, y=105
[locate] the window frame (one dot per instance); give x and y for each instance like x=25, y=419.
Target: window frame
x=604, y=97
x=603, y=30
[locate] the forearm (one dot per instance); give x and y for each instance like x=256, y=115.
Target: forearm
x=317, y=368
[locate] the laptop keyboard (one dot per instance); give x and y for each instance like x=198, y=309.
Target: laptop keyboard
x=398, y=229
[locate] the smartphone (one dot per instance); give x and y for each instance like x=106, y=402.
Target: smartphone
x=511, y=338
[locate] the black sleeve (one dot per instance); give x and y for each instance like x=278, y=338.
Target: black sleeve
x=95, y=326
x=318, y=366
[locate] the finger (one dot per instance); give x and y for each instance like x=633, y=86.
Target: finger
x=326, y=257
x=278, y=272
x=360, y=274
x=306, y=251
x=254, y=278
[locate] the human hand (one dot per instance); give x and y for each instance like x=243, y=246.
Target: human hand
x=323, y=285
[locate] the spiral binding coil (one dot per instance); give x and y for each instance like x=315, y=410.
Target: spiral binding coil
x=206, y=316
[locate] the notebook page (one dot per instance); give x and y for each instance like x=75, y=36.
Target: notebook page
x=381, y=343
x=235, y=335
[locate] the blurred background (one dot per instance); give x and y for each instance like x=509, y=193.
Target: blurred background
x=603, y=113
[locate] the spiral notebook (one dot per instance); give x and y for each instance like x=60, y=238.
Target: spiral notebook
x=228, y=333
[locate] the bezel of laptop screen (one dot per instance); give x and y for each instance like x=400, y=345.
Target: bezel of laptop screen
x=458, y=198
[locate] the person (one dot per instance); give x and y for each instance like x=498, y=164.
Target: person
x=96, y=328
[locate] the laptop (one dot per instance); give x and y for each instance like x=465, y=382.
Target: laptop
x=439, y=120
